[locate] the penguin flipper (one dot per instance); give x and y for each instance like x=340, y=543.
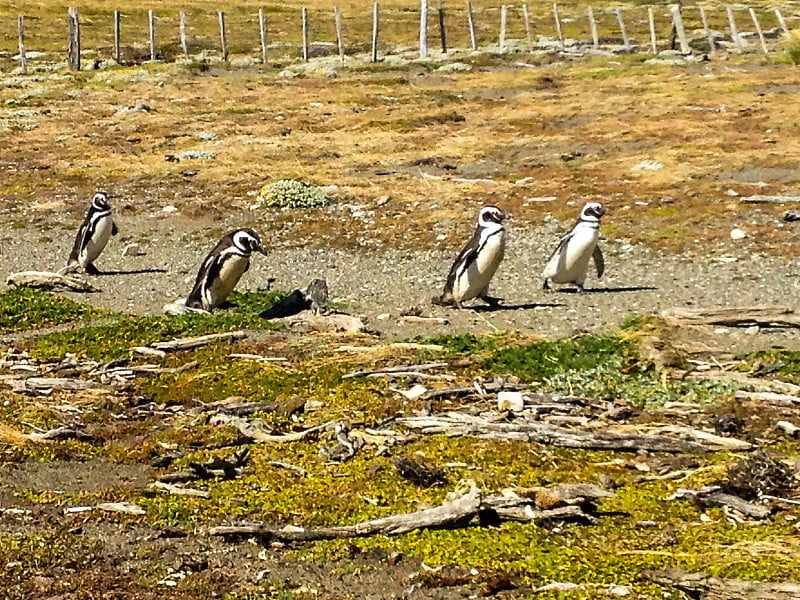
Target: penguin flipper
x=462, y=262
x=599, y=261
x=204, y=276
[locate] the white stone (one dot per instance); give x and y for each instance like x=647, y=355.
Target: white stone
x=513, y=401
x=383, y=316
x=647, y=165
x=738, y=234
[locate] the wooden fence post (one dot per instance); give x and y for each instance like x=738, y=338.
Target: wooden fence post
x=304, y=15
x=223, y=36
x=423, y=29
x=782, y=22
x=23, y=59
x=473, y=40
x=117, y=40
x=151, y=25
x=652, y=21
x=559, y=32
x=442, y=32
x=737, y=41
x=337, y=18
x=527, y=18
x=375, y=31
x=262, y=31
x=74, y=41
x=677, y=20
x=182, y=32
x=709, y=36
x=625, y=41
x=501, y=43
x=593, y=27
x=760, y=33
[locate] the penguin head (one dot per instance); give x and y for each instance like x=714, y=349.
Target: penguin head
x=100, y=201
x=248, y=241
x=491, y=215
x=592, y=211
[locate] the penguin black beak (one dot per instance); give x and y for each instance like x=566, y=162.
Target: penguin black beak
x=262, y=250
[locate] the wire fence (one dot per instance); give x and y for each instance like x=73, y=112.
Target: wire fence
x=277, y=33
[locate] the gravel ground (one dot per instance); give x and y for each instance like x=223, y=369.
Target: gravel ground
x=380, y=284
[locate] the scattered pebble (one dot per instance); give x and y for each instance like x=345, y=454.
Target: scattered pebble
x=738, y=234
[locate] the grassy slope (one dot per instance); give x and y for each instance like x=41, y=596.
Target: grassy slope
x=612, y=552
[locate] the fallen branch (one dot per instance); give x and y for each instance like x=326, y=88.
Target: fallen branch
x=457, y=512
x=418, y=319
x=189, y=343
x=400, y=368
x=45, y=385
x=768, y=397
x=258, y=432
x=178, y=490
x=47, y=280
x=732, y=316
x=712, y=496
x=60, y=433
x=758, y=199
x=758, y=385
x=706, y=587
x=455, y=423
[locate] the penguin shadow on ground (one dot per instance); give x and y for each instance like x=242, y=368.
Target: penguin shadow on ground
x=606, y=290
x=129, y=271
x=523, y=306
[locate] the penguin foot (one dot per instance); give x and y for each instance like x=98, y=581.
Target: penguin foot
x=546, y=286
x=91, y=269
x=491, y=300
x=70, y=268
x=579, y=288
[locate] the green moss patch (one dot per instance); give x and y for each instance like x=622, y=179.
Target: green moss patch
x=113, y=340
x=24, y=308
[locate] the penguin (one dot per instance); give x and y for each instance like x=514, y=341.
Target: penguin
x=222, y=268
x=477, y=263
x=569, y=262
x=97, y=228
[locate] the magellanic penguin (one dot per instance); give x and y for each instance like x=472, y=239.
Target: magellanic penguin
x=223, y=267
x=97, y=228
x=569, y=262
x=477, y=263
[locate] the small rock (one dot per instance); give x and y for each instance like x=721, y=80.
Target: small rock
x=513, y=401
x=752, y=330
x=383, y=316
x=738, y=234
x=647, y=165
x=731, y=193
x=169, y=209
x=412, y=393
x=132, y=250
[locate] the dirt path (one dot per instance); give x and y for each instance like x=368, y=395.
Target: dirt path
x=381, y=284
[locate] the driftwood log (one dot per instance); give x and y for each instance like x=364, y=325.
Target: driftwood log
x=732, y=316
x=161, y=348
x=45, y=385
x=757, y=384
x=48, y=280
x=760, y=199
x=455, y=423
x=706, y=587
x=459, y=511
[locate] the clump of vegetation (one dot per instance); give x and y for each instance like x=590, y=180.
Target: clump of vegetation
x=791, y=47
x=26, y=308
x=113, y=340
x=290, y=193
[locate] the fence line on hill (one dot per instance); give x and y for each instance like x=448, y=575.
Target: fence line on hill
x=678, y=36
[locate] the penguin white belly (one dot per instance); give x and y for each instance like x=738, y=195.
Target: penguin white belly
x=229, y=275
x=96, y=243
x=571, y=263
x=473, y=280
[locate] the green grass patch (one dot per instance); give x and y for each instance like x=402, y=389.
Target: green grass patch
x=24, y=308
x=113, y=340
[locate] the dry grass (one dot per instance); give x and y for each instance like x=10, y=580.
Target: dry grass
x=420, y=148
